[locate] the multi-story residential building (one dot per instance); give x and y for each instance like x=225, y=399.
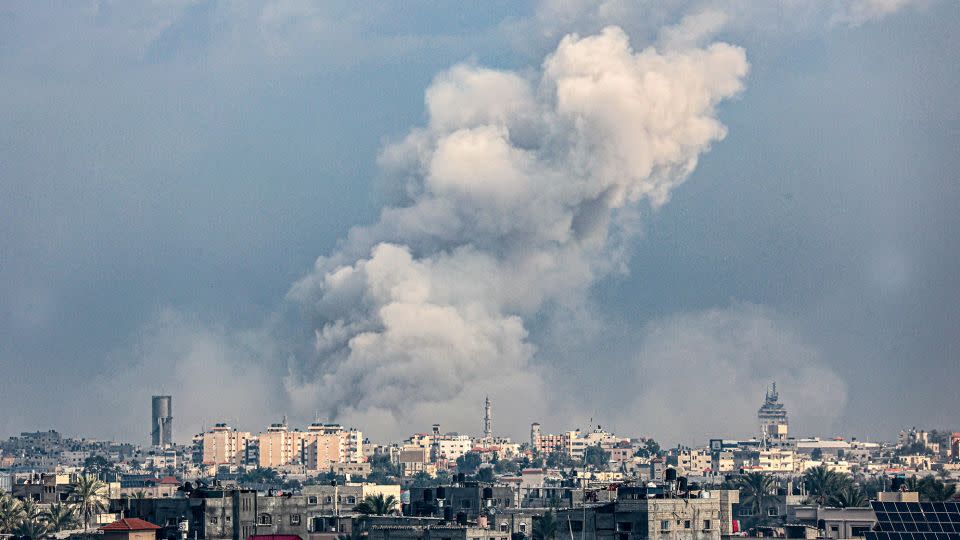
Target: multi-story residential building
x=447, y=447
x=693, y=461
x=224, y=445
x=279, y=446
x=321, y=448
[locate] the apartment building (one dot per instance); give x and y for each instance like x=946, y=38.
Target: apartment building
x=224, y=445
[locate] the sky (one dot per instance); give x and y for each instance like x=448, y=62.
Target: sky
x=634, y=214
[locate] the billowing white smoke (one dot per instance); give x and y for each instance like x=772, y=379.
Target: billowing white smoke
x=518, y=195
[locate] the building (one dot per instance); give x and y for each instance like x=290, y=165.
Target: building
x=150, y=487
x=773, y=417
x=322, y=446
x=648, y=512
x=337, y=499
x=279, y=446
x=469, y=499
x=224, y=445
x=130, y=529
x=211, y=514
x=161, y=421
x=433, y=532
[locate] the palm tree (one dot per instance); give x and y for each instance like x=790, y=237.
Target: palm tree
x=139, y=494
x=31, y=529
x=822, y=483
x=60, y=517
x=757, y=491
x=88, y=492
x=913, y=484
x=545, y=527
x=377, y=505
x=30, y=511
x=11, y=513
x=937, y=491
x=851, y=496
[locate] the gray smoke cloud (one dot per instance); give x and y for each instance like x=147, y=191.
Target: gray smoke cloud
x=518, y=194
x=687, y=365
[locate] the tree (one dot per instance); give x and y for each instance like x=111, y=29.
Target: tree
x=31, y=529
x=650, y=449
x=377, y=505
x=98, y=466
x=11, y=513
x=422, y=479
x=485, y=474
x=757, y=489
x=822, y=483
x=596, y=457
x=31, y=511
x=559, y=460
x=849, y=496
x=934, y=490
x=469, y=462
x=89, y=494
x=545, y=527
x=261, y=475
x=60, y=517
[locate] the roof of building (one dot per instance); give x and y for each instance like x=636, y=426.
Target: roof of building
x=130, y=524
x=169, y=480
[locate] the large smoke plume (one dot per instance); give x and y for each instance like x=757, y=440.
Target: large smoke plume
x=519, y=193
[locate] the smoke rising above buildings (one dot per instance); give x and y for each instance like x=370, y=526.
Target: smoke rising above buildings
x=519, y=193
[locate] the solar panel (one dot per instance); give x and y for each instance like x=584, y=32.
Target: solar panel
x=916, y=521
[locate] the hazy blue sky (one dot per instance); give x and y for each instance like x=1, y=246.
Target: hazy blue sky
x=168, y=171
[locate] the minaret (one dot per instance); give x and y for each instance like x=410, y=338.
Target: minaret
x=487, y=420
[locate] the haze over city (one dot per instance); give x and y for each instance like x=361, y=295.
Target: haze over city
x=634, y=214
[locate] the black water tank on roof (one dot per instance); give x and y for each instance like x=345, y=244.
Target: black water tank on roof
x=670, y=475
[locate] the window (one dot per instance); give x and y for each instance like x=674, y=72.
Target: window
x=625, y=526
x=227, y=519
x=664, y=525
x=772, y=511
x=745, y=511
x=295, y=519
x=686, y=524
x=311, y=500
x=213, y=520
x=351, y=500
x=503, y=527
x=265, y=519
x=706, y=524
x=523, y=527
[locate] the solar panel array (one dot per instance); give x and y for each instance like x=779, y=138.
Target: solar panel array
x=916, y=521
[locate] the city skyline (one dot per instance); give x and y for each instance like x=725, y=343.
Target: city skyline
x=639, y=212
